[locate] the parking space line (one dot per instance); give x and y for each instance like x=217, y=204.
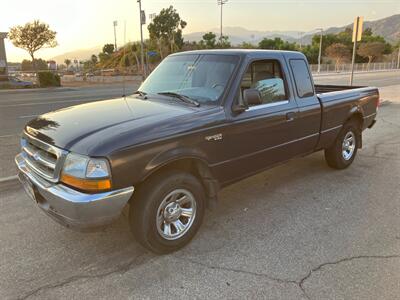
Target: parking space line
x=29, y=116
x=7, y=136
x=10, y=178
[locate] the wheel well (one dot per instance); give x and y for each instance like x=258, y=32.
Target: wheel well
x=357, y=117
x=196, y=167
x=359, y=120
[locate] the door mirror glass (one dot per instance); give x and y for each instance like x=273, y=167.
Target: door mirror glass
x=252, y=97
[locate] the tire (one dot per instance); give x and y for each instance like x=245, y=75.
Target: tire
x=341, y=154
x=157, y=221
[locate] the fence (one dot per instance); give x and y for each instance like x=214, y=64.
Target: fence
x=363, y=67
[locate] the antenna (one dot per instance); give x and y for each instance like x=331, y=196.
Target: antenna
x=124, y=51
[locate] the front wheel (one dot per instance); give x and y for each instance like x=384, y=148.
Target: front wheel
x=168, y=211
x=343, y=151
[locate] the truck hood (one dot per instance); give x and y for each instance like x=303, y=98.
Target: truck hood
x=96, y=122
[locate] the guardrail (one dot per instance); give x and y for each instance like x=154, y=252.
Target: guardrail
x=362, y=67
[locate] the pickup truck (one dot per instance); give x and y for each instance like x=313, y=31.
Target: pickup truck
x=201, y=121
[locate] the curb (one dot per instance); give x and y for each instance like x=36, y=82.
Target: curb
x=9, y=178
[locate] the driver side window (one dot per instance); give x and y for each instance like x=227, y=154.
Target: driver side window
x=266, y=76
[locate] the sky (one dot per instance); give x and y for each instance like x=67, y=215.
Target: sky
x=82, y=24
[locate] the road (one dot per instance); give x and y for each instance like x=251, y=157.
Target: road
x=298, y=231
x=17, y=108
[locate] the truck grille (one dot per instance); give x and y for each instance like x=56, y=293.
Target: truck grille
x=42, y=158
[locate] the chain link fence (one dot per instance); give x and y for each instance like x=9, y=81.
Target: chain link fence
x=363, y=67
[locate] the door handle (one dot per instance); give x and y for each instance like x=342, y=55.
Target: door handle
x=290, y=116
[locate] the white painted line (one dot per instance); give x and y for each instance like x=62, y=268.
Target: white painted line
x=5, y=179
x=7, y=136
x=30, y=116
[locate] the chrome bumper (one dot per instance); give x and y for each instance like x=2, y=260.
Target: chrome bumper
x=69, y=207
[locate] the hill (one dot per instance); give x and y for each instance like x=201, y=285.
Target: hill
x=80, y=54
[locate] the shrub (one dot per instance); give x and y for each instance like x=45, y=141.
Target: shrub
x=47, y=79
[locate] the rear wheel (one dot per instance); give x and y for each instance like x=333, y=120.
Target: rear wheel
x=168, y=211
x=343, y=151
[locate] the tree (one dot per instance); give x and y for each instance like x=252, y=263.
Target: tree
x=311, y=52
x=209, y=40
x=166, y=28
x=93, y=59
x=276, y=44
x=27, y=65
x=371, y=50
x=67, y=62
x=135, y=49
x=33, y=37
x=247, y=45
x=224, y=42
x=338, y=52
x=108, y=49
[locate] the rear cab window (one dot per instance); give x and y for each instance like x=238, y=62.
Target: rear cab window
x=302, y=78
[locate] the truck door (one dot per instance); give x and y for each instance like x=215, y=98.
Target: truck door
x=263, y=134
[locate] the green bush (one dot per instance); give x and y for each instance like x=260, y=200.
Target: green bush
x=47, y=79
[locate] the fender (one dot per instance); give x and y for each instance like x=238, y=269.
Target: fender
x=171, y=156
x=175, y=154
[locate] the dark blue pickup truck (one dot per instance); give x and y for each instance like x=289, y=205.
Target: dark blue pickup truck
x=201, y=121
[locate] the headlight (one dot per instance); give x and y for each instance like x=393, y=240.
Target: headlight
x=85, y=173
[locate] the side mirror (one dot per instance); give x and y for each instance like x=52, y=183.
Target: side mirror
x=252, y=97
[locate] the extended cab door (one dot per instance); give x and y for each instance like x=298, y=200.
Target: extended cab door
x=309, y=113
x=263, y=134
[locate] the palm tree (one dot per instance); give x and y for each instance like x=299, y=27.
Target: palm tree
x=67, y=62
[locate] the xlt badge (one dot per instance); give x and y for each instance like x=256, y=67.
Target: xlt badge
x=215, y=137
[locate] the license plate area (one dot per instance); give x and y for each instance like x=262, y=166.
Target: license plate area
x=28, y=186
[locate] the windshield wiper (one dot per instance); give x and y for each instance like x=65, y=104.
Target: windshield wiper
x=181, y=97
x=140, y=93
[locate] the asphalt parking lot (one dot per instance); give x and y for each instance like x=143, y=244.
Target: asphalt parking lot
x=298, y=231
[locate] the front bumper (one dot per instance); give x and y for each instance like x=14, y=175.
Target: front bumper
x=69, y=207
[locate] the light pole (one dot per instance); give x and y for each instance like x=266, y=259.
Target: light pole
x=142, y=21
x=3, y=56
x=320, y=49
x=115, y=23
x=221, y=3
x=398, y=58
x=301, y=39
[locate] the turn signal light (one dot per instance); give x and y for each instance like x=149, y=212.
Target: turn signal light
x=91, y=185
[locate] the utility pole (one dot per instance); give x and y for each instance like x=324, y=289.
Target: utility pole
x=142, y=21
x=221, y=3
x=357, y=32
x=115, y=23
x=320, y=49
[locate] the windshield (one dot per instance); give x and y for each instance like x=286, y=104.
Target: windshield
x=199, y=77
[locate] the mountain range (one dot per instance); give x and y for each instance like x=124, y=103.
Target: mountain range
x=388, y=27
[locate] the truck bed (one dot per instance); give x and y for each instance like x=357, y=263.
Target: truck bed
x=326, y=88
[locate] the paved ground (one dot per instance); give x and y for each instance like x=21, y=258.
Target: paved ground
x=298, y=231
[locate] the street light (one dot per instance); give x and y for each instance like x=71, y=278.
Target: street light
x=320, y=49
x=115, y=23
x=221, y=3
